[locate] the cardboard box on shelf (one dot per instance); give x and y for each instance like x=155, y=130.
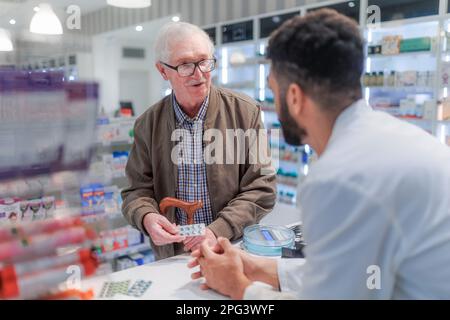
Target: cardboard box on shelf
x=443, y=111
x=416, y=44
x=428, y=109
x=390, y=45
x=9, y=210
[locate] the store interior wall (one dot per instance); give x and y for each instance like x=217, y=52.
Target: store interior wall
x=98, y=50
x=200, y=12
x=106, y=50
x=134, y=86
x=115, y=72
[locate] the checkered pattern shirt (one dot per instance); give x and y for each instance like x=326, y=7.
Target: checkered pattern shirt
x=192, y=180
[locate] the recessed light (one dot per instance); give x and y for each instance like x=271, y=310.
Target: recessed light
x=175, y=18
x=139, y=28
x=351, y=4
x=12, y=21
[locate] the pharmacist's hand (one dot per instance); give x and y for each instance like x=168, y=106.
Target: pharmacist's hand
x=223, y=271
x=248, y=261
x=193, y=243
x=161, y=230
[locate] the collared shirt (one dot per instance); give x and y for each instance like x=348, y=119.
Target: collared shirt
x=375, y=214
x=192, y=179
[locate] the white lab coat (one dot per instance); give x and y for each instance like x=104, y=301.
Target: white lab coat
x=376, y=215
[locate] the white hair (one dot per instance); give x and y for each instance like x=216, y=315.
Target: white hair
x=177, y=31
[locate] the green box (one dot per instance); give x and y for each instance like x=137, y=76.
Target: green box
x=415, y=44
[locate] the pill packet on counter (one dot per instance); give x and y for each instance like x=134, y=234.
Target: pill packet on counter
x=192, y=230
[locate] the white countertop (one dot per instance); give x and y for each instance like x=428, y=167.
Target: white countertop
x=171, y=278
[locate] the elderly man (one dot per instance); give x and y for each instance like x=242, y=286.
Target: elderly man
x=234, y=194
x=375, y=207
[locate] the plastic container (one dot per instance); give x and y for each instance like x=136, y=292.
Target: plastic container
x=267, y=240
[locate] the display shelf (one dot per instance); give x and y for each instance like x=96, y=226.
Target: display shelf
x=116, y=216
x=115, y=143
x=412, y=89
x=293, y=186
x=404, y=24
x=115, y=137
x=239, y=85
x=268, y=109
x=405, y=55
x=412, y=92
x=289, y=162
x=251, y=62
x=124, y=251
x=443, y=109
x=411, y=97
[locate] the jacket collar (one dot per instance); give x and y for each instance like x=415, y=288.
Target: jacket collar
x=182, y=117
x=213, y=107
x=211, y=112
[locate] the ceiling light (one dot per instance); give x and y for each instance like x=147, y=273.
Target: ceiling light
x=36, y=9
x=175, y=18
x=5, y=41
x=132, y=4
x=139, y=28
x=45, y=21
x=351, y=4
x=12, y=21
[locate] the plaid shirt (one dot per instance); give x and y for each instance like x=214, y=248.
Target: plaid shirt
x=192, y=180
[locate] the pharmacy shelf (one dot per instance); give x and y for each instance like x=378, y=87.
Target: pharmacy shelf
x=405, y=88
x=250, y=62
x=268, y=109
x=239, y=85
x=123, y=252
x=290, y=185
x=114, y=143
x=290, y=162
x=429, y=54
x=101, y=216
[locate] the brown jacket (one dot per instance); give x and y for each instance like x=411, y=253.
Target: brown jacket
x=240, y=195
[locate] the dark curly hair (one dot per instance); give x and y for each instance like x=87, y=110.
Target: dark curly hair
x=322, y=52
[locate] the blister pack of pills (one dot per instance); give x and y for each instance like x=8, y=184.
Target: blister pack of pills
x=139, y=287
x=192, y=230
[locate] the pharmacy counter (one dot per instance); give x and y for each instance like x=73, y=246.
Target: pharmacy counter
x=171, y=278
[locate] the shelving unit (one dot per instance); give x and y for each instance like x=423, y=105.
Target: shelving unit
x=108, y=256
x=407, y=81
x=244, y=68
x=114, y=140
x=75, y=65
x=420, y=98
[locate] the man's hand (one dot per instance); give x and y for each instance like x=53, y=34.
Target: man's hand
x=255, y=268
x=223, y=269
x=161, y=230
x=193, y=243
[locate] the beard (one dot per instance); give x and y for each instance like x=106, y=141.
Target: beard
x=292, y=132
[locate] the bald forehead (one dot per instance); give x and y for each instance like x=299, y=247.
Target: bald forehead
x=192, y=49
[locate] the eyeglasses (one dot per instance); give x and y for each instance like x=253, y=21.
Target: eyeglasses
x=188, y=69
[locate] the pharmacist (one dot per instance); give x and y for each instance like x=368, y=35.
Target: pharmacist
x=376, y=205
x=234, y=194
